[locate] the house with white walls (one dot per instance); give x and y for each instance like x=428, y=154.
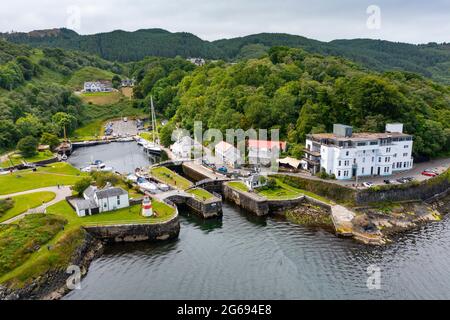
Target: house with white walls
x=101, y=200
x=227, y=154
x=263, y=152
x=98, y=86
x=347, y=155
x=184, y=147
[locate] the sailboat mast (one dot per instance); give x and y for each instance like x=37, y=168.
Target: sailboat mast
x=155, y=132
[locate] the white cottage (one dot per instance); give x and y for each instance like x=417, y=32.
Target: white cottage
x=98, y=86
x=228, y=154
x=184, y=147
x=98, y=201
x=256, y=181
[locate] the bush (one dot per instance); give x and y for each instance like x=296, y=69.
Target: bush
x=5, y=205
x=82, y=185
x=50, y=139
x=28, y=146
x=103, y=178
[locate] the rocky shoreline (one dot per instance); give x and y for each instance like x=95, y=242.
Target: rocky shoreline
x=376, y=226
x=52, y=284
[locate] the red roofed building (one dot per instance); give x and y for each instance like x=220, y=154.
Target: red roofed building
x=227, y=154
x=264, y=151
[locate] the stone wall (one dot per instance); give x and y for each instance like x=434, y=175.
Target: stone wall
x=253, y=204
x=283, y=205
x=137, y=232
x=207, y=209
x=422, y=191
x=37, y=164
x=193, y=174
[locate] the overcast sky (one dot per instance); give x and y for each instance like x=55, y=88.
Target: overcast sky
x=413, y=21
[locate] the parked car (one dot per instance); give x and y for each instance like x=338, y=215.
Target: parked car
x=223, y=170
x=368, y=184
x=402, y=180
x=387, y=181
x=432, y=170
x=429, y=174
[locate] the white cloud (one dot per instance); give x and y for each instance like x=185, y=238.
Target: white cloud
x=416, y=21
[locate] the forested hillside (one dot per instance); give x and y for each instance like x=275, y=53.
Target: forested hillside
x=302, y=93
x=430, y=60
x=35, y=98
x=288, y=88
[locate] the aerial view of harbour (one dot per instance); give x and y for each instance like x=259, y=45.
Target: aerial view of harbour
x=213, y=166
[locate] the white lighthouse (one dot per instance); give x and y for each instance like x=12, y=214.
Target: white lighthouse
x=147, y=210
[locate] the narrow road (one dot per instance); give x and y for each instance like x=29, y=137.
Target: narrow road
x=60, y=193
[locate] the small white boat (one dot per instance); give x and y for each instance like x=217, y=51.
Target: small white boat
x=125, y=140
x=152, y=148
x=163, y=187
x=87, y=169
x=107, y=169
x=150, y=187
x=64, y=157
x=132, y=178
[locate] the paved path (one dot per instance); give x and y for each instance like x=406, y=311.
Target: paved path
x=60, y=193
x=172, y=193
x=342, y=218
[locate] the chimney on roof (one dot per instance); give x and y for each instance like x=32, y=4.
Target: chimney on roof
x=341, y=130
x=394, y=128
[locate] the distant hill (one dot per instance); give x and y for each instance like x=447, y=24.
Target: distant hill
x=430, y=60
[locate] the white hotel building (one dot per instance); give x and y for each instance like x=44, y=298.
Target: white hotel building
x=347, y=155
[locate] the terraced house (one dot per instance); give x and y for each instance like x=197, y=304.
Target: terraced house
x=347, y=155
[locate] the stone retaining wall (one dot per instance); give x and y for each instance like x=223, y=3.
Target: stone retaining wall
x=137, y=232
x=255, y=205
x=37, y=164
x=421, y=191
x=207, y=209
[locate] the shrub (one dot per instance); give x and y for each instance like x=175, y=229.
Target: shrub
x=28, y=146
x=82, y=185
x=5, y=205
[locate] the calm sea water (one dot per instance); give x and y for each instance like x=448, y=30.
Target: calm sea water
x=123, y=157
x=244, y=257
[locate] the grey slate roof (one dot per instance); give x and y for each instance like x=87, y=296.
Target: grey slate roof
x=82, y=204
x=111, y=192
x=89, y=192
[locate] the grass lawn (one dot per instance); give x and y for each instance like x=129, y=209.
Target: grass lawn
x=279, y=193
x=65, y=242
x=28, y=235
x=91, y=131
x=17, y=159
x=171, y=178
x=25, y=202
x=129, y=215
x=59, y=173
x=85, y=74
x=102, y=98
x=201, y=194
x=285, y=192
x=127, y=92
x=238, y=186
x=147, y=136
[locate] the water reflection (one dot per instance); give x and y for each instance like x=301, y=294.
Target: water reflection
x=246, y=257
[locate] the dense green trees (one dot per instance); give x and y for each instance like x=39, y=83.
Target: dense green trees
x=28, y=146
x=430, y=60
x=301, y=94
